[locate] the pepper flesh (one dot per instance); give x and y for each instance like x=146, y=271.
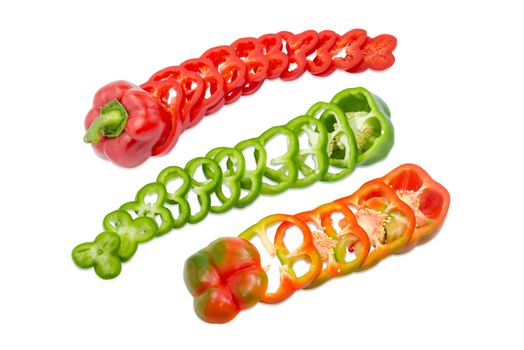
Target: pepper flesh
x=225, y=278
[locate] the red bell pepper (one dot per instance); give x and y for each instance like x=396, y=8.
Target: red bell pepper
x=193, y=87
x=251, y=52
x=224, y=278
x=201, y=86
x=127, y=124
x=428, y=199
x=289, y=280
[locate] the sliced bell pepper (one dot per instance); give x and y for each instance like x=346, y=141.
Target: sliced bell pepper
x=225, y=278
x=232, y=69
x=201, y=86
x=341, y=143
x=187, y=105
x=377, y=54
x=334, y=246
x=131, y=231
x=251, y=52
x=154, y=209
x=317, y=144
x=289, y=281
x=347, y=51
x=231, y=176
x=126, y=124
x=369, y=118
x=298, y=47
x=322, y=64
x=252, y=179
x=286, y=175
x=388, y=221
x=178, y=195
x=428, y=199
x=102, y=254
x=213, y=97
x=203, y=189
x=316, y=149
x=277, y=60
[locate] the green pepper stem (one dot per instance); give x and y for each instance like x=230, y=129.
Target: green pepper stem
x=110, y=123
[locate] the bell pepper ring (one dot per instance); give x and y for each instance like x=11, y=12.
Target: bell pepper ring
x=128, y=124
x=320, y=145
x=428, y=199
x=289, y=281
x=336, y=246
x=225, y=278
x=388, y=221
x=382, y=225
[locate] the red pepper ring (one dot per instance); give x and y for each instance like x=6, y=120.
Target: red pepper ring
x=377, y=54
x=333, y=245
x=428, y=199
x=231, y=68
x=387, y=220
x=350, y=45
x=171, y=96
x=194, y=89
x=213, y=97
x=322, y=64
x=126, y=124
x=289, y=282
x=277, y=60
x=298, y=47
x=251, y=52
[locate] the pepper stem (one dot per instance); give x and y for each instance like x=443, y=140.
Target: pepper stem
x=110, y=123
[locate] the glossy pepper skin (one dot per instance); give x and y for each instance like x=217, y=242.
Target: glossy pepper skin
x=126, y=124
x=225, y=278
x=201, y=86
x=428, y=199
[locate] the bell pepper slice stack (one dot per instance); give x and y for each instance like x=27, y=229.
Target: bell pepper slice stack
x=127, y=124
x=376, y=222
x=320, y=145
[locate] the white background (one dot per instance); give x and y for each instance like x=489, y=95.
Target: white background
x=455, y=93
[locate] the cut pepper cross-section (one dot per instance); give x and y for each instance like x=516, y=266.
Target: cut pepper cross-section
x=428, y=199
